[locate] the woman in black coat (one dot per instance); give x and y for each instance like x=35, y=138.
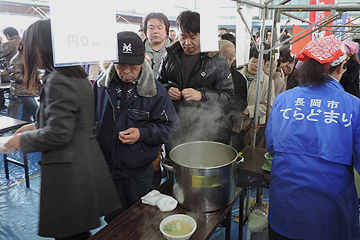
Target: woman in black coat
x=350, y=78
x=76, y=187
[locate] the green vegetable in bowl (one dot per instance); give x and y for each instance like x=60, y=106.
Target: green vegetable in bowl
x=173, y=227
x=169, y=228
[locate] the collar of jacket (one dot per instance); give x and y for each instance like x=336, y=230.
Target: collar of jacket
x=276, y=75
x=177, y=49
x=15, y=37
x=244, y=70
x=148, y=46
x=146, y=84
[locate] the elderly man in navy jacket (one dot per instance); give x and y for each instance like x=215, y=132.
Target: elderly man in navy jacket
x=135, y=116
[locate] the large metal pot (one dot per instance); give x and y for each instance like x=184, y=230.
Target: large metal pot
x=204, y=175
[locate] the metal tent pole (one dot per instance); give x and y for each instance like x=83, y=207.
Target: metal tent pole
x=259, y=73
x=272, y=60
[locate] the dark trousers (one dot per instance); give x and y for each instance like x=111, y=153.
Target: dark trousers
x=130, y=190
x=14, y=106
x=275, y=236
x=156, y=180
x=2, y=98
x=80, y=236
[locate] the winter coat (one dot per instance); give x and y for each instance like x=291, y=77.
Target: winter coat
x=149, y=109
x=9, y=49
x=350, y=78
x=279, y=83
x=251, y=96
x=76, y=187
x=211, y=75
x=200, y=120
x=238, y=103
x=16, y=71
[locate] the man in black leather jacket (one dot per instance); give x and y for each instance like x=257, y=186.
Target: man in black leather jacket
x=199, y=84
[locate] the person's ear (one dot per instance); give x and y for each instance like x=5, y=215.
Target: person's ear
x=341, y=67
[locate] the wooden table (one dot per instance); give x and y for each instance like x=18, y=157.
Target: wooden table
x=251, y=174
x=253, y=161
x=141, y=221
x=10, y=124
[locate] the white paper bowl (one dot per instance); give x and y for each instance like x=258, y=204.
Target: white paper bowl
x=175, y=217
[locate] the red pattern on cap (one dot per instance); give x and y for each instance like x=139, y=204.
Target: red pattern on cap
x=324, y=50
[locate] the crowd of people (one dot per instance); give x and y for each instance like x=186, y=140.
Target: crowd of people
x=101, y=148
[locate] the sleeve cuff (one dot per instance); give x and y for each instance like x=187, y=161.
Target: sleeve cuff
x=144, y=134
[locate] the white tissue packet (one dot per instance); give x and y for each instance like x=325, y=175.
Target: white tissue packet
x=164, y=202
x=151, y=198
x=3, y=149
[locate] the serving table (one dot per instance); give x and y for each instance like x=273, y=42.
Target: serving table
x=10, y=124
x=141, y=221
x=251, y=175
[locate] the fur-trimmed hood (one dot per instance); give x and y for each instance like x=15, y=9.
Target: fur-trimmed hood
x=146, y=85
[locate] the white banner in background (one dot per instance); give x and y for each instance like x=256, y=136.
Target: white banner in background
x=83, y=31
x=243, y=37
x=209, y=22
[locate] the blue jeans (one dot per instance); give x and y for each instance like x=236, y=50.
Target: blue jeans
x=14, y=106
x=29, y=108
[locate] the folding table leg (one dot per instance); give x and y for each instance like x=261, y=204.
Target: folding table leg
x=26, y=170
x=6, y=165
x=24, y=165
x=228, y=225
x=241, y=215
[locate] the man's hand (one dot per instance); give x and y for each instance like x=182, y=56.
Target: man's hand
x=129, y=136
x=14, y=142
x=246, y=112
x=174, y=93
x=191, y=94
x=27, y=127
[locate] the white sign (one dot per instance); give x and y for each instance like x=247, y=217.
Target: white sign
x=209, y=22
x=243, y=37
x=83, y=31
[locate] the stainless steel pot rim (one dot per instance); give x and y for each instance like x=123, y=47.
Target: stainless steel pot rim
x=202, y=142
x=206, y=168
